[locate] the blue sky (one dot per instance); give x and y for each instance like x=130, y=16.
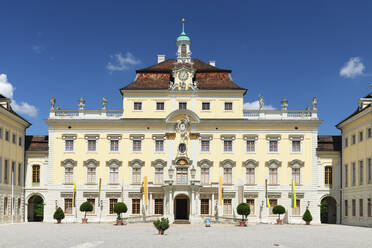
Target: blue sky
x=293, y=49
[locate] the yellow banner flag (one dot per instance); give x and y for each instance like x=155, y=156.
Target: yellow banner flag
x=267, y=195
x=145, y=189
x=220, y=192
x=73, y=195
x=294, y=201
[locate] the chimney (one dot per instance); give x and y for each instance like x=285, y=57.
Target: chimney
x=161, y=58
x=212, y=63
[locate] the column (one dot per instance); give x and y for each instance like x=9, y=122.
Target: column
x=212, y=205
x=151, y=209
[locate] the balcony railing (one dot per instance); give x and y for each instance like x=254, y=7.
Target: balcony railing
x=280, y=114
x=85, y=114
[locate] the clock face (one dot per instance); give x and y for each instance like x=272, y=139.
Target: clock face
x=182, y=126
x=183, y=75
x=182, y=148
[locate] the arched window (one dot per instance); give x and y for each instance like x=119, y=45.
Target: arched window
x=159, y=165
x=273, y=166
x=114, y=165
x=250, y=166
x=68, y=164
x=204, y=165
x=227, y=165
x=136, y=165
x=36, y=174
x=91, y=165
x=296, y=170
x=183, y=50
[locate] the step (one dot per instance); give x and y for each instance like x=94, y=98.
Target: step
x=181, y=222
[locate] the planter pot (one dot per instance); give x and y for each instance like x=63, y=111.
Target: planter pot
x=242, y=223
x=59, y=221
x=119, y=222
x=161, y=232
x=279, y=221
x=84, y=220
x=307, y=222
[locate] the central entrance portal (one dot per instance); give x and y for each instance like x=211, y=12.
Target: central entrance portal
x=182, y=207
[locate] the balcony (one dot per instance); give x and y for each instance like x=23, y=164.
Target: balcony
x=280, y=114
x=93, y=114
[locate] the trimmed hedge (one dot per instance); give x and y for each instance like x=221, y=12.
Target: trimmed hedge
x=244, y=210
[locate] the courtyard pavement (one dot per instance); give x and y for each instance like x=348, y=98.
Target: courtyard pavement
x=145, y=235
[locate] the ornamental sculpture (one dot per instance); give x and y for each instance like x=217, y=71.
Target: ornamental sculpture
x=52, y=103
x=315, y=101
x=81, y=103
x=104, y=102
x=183, y=126
x=261, y=102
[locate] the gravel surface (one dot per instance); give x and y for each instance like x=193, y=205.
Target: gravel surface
x=145, y=235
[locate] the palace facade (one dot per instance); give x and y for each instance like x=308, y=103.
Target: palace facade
x=12, y=138
x=181, y=133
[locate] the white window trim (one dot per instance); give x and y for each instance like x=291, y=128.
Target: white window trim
x=156, y=106
x=205, y=110
x=137, y=110
x=272, y=164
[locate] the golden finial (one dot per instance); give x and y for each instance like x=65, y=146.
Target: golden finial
x=183, y=20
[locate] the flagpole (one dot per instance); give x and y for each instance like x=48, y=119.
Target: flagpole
x=99, y=201
x=12, y=201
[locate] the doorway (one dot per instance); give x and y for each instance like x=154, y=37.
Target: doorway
x=328, y=210
x=35, y=209
x=181, y=206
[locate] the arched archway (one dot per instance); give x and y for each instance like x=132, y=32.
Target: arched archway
x=328, y=210
x=35, y=209
x=181, y=207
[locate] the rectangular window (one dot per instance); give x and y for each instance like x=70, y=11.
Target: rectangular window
x=227, y=207
x=93, y=202
x=136, y=175
x=182, y=175
x=114, y=175
x=251, y=206
x=159, y=206
x=328, y=175
x=7, y=135
x=14, y=139
x=353, y=173
x=159, y=105
x=114, y=145
x=1, y=132
x=205, y=146
x=273, y=146
x=68, y=206
x=251, y=146
x=206, y=106
x=346, y=175
x=227, y=175
x=353, y=139
x=112, y=205
x=20, y=174
x=5, y=205
x=369, y=207
x=296, y=146
x=346, y=142
x=92, y=145
x=136, y=145
x=136, y=207
x=296, y=175
x=360, y=136
x=251, y=176
x=204, y=206
x=353, y=207
x=6, y=171
x=204, y=175
x=361, y=207
x=20, y=141
x=159, y=145
x=346, y=208
x=227, y=145
x=273, y=203
x=91, y=172
x=228, y=106
x=182, y=105
x=137, y=106
x=361, y=174
x=159, y=172
x=369, y=133
x=69, y=175
x=273, y=176
x=369, y=170
x=36, y=174
x=69, y=145
x=297, y=211
x=13, y=173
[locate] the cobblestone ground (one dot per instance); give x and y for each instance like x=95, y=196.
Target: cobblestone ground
x=144, y=235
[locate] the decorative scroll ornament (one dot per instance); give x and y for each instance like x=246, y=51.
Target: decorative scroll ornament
x=183, y=126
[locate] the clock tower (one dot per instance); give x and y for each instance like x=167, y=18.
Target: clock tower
x=183, y=44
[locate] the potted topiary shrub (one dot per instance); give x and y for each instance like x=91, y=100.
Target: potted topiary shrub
x=86, y=207
x=162, y=225
x=119, y=208
x=307, y=217
x=279, y=209
x=244, y=210
x=59, y=215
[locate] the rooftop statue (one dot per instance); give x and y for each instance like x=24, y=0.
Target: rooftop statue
x=261, y=102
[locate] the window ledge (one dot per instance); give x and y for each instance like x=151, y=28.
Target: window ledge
x=273, y=152
x=69, y=152
x=68, y=183
x=113, y=183
x=205, y=152
x=248, y=184
x=114, y=152
x=91, y=184
x=136, y=152
x=274, y=184
x=296, y=152
x=250, y=152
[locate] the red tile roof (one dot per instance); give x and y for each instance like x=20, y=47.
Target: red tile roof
x=157, y=77
x=36, y=143
x=329, y=143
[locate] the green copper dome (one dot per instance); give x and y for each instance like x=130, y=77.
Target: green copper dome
x=183, y=36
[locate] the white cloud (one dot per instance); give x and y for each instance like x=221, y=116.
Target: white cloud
x=256, y=105
x=353, y=68
x=7, y=89
x=24, y=108
x=121, y=63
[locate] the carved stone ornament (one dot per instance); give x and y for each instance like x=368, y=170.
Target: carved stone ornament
x=52, y=103
x=183, y=126
x=284, y=104
x=261, y=102
x=314, y=103
x=81, y=103
x=104, y=102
